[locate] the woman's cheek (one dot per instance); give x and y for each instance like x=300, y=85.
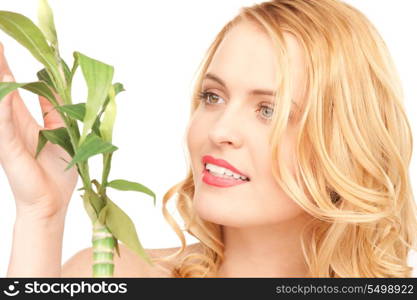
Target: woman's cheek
x=198, y=134
x=195, y=140
x=192, y=137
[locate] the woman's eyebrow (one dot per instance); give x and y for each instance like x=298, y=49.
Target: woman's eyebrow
x=252, y=92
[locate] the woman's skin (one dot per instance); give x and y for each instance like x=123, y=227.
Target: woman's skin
x=41, y=190
x=261, y=223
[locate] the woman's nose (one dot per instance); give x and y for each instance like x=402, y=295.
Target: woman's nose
x=227, y=129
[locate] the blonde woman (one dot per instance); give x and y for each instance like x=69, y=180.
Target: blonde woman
x=299, y=149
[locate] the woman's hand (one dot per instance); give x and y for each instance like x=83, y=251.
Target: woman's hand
x=40, y=186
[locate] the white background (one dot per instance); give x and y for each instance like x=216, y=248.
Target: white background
x=156, y=47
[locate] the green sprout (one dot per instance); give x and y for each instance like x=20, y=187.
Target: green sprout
x=110, y=224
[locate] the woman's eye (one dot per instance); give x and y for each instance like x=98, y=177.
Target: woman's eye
x=207, y=97
x=266, y=111
x=210, y=98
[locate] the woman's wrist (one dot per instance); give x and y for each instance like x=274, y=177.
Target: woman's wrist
x=40, y=214
x=37, y=246
x=38, y=220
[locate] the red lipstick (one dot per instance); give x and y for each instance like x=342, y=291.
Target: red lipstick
x=207, y=159
x=220, y=181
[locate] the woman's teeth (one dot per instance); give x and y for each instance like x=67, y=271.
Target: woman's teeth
x=224, y=173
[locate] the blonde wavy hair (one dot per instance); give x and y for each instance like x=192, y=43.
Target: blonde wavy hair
x=352, y=154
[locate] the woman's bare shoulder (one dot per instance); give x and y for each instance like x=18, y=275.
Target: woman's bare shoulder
x=129, y=264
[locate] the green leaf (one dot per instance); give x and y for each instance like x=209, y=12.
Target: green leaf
x=123, y=229
x=38, y=87
x=74, y=66
x=24, y=31
x=103, y=214
x=44, y=76
x=89, y=208
x=118, y=87
x=46, y=22
x=98, y=77
x=92, y=145
x=67, y=71
x=41, y=143
x=124, y=185
x=57, y=136
x=97, y=202
x=96, y=127
x=93, y=204
x=75, y=111
x=106, y=126
x=7, y=87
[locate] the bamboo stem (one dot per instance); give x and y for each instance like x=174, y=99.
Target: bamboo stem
x=106, y=170
x=103, y=251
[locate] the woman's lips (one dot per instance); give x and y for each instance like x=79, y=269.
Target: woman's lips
x=213, y=180
x=208, y=159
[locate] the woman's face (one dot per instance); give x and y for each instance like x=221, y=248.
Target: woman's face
x=231, y=124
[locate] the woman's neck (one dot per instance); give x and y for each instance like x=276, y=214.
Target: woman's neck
x=264, y=251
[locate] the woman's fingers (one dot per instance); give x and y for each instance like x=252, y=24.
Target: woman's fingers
x=51, y=117
x=8, y=131
x=21, y=114
x=6, y=107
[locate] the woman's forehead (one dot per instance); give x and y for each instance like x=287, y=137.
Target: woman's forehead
x=246, y=60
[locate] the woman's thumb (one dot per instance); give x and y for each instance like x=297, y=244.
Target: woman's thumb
x=51, y=117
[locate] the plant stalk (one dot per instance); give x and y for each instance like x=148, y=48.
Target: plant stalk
x=103, y=251
x=106, y=170
x=74, y=134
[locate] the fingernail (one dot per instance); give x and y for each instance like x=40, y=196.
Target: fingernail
x=7, y=78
